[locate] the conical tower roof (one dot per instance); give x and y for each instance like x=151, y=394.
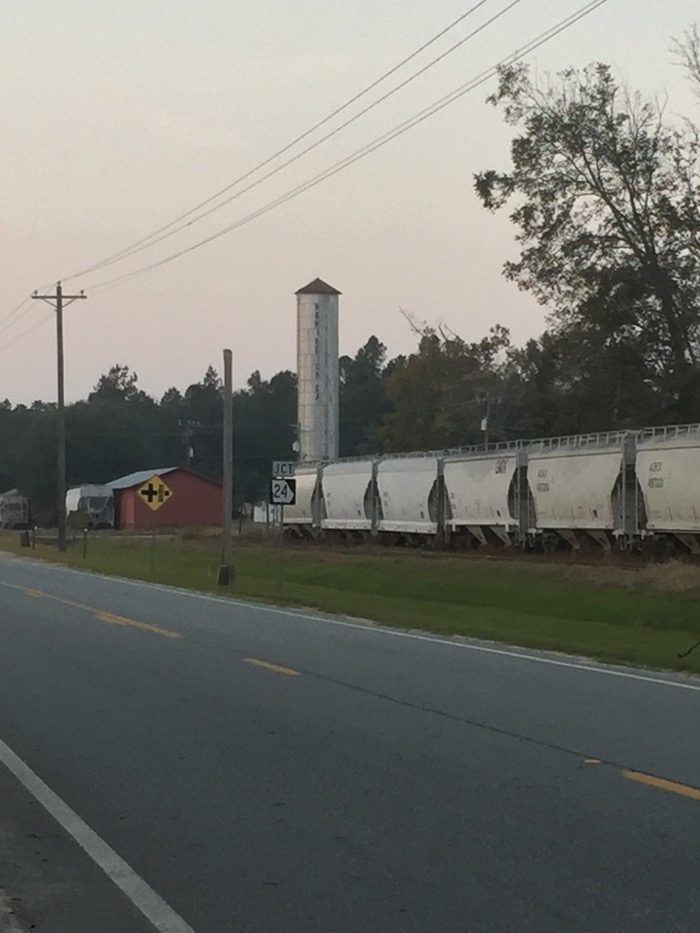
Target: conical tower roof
x=318, y=287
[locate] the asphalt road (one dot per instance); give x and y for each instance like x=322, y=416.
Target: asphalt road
x=262, y=769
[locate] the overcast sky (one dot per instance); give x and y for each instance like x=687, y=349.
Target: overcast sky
x=118, y=117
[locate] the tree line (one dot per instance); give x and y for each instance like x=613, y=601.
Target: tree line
x=604, y=195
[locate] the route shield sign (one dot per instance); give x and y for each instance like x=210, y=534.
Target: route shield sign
x=283, y=491
x=155, y=493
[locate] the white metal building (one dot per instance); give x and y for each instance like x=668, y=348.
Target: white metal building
x=317, y=371
x=14, y=509
x=95, y=500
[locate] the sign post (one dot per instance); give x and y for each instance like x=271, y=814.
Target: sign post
x=281, y=561
x=226, y=570
x=283, y=491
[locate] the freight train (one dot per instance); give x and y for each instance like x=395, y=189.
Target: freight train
x=623, y=489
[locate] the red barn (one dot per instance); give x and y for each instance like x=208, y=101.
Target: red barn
x=170, y=497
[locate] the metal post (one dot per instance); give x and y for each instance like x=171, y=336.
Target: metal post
x=442, y=535
x=376, y=502
x=485, y=422
x=226, y=571
x=281, y=560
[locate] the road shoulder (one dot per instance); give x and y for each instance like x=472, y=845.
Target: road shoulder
x=49, y=884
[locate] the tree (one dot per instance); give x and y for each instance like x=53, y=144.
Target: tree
x=264, y=429
x=118, y=429
x=29, y=455
x=608, y=219
x=687, y=51
x=119, y=384
x=202, y=419
x=566, y=383
x=363, y=398
x=172, y=399
x=439, y=396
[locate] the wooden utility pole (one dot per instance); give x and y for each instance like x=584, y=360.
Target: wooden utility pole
x=58, y=302
x=226, y=570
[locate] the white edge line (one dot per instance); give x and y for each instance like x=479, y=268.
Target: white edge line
x=141, y=895
x=370, y=626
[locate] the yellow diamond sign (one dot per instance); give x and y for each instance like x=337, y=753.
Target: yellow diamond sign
x=155, y=493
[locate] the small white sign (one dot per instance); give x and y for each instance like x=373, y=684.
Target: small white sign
x=283, y=491
x=283, y=468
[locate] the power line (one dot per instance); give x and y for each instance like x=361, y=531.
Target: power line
x=26, y=333
x=372, y=146
x=338, y=110
x=175, y=227
x=7, y=321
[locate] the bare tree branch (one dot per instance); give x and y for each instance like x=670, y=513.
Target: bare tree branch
x=687, y=51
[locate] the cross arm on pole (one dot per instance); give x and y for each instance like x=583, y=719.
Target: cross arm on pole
x=65, y=299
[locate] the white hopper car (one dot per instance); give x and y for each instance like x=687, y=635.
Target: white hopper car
x=615, y=489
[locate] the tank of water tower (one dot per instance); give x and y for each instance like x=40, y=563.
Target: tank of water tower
x=317, y=371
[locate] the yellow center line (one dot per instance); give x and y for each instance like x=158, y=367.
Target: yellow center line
x=269, y=666
x=685, y=790
x=111, y=619
x=104, y=615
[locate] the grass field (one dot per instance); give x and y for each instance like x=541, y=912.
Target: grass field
x=643, y=616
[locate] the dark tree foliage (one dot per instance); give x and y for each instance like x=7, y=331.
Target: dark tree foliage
x=608, y=217
x=118, y=385
x=28, y=444
x=200, y=422
x=264, y=429
x=567, y=383
x=440, y=393
x=363, y=398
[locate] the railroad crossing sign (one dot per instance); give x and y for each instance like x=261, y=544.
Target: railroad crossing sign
x=155, y=493
x=283, y=491
x=283, y=467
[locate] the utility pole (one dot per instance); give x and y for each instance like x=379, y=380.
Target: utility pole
x=485, y=421
x=226, y=570
x=58, y=302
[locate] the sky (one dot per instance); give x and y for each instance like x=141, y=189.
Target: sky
x=118, y=118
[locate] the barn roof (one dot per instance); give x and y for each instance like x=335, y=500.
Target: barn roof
x=138, y=478
x=318, y=287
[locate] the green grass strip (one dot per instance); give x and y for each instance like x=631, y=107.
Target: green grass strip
x=533, y=603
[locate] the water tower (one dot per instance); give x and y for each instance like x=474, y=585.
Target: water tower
x=317, y=371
